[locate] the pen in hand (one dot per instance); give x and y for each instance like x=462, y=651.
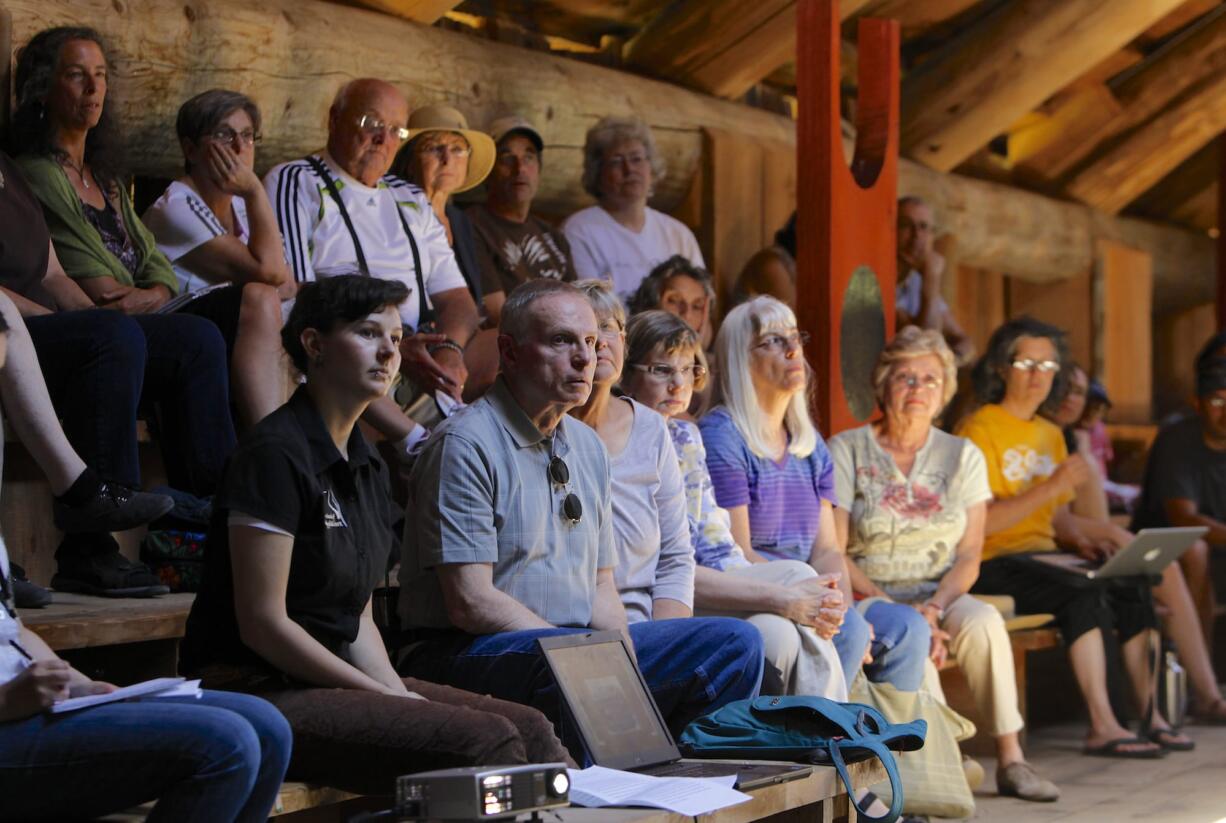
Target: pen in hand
x=21, y=650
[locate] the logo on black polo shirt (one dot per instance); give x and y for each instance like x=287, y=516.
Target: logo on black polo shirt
x=334, y=518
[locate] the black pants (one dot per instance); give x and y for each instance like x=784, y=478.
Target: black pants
x=1080, y=606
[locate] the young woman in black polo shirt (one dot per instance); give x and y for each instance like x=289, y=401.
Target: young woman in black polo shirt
x=300, y=537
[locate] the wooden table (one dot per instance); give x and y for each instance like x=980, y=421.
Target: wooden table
x=818, y=798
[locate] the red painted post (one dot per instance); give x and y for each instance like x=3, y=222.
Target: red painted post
x=845, y=222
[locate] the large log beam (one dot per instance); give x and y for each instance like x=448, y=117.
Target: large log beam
x=722, y=47
x=1008, y=63
x=1153, y=150
x=426, y=12
x=291, y=55
x=1149, y=87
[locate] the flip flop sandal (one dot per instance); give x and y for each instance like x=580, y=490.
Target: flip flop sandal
x=1112, y=748
x=1163, y=737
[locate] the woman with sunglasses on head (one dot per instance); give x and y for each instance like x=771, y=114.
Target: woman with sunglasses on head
x=1033, y=478
x=773, y=473
x=912, y=507
x=664, y=366
x=216, y=226
x=300, y=537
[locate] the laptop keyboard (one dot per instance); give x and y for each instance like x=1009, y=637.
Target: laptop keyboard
x=692, y=770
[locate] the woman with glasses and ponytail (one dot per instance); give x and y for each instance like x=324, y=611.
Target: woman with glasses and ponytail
x=1032, y=478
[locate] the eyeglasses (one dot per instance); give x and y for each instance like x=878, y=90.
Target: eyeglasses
x=559, y=473
x=373, y=126
x=610, y=329
x=248, y=137
x=633, y=161
x=1043, y=366
x=665, y=373
x=443, y=151
x=912, y=381
x=783, y=342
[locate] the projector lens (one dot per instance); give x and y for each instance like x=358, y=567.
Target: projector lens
x=560, y=783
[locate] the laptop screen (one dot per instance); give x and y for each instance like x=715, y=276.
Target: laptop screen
x=617, y=719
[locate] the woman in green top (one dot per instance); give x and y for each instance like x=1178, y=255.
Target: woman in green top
x=66, y=140
x=65, y=136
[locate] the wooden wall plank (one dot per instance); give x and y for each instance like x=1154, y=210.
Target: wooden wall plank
x=1065, y=304
x=1178, y=337
x=1124, y=330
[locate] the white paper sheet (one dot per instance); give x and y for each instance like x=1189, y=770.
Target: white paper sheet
x=161, y=687
x=597, y=786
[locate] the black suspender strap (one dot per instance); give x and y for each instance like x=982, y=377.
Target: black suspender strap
x=330, y=185
x=425, y=314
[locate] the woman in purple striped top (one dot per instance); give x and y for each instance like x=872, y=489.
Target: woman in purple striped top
x=773, y=473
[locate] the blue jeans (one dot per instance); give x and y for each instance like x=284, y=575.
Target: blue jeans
x=691, y=666
x=901, y=640
x=214, y=760
x=100, y=365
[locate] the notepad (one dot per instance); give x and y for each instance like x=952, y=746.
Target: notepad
x=596, y=786
x=160, y=687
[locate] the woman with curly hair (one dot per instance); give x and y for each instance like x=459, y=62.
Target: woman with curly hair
x=1032, y=478
x=621, y=238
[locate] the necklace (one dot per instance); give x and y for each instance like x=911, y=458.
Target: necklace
x=80, y=170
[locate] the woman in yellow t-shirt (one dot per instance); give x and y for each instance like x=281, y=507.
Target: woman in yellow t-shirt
x=1032, y=479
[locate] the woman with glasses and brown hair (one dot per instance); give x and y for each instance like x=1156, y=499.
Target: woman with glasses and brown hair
x=773, y=473
x=664, y=366
x=1032, y=478
x=216, y=226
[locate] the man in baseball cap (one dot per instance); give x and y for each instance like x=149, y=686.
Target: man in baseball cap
x=513, y=245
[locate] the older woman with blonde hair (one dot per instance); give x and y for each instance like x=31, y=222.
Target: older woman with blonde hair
x=912, y=507
x=773, y=473
x=621, y=239
x=796, y=609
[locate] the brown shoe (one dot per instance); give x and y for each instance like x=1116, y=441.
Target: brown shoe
x=1022, y=781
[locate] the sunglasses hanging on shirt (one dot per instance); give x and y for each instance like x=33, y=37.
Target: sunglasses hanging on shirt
x=559, y=473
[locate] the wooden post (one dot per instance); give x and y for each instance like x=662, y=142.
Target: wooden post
x=1221, y=236
x=845, y=221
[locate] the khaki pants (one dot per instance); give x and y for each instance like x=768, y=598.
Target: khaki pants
x=798, y=661
x=980, y=645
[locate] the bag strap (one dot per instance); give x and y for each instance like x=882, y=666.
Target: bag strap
x=883, y=754
x=330, y=185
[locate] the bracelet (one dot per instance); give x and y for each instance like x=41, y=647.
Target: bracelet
x=446, y=344
x=935, y=605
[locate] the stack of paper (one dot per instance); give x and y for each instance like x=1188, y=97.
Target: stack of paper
x=161, y=687
x=597, y=786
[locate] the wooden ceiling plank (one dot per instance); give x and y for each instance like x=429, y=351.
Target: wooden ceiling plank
x=426, y=12
x=1153, y=150
x=722, y=47
x=1006, y=65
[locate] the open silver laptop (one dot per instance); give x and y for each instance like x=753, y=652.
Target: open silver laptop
x=619, y=721
x=1147, y=555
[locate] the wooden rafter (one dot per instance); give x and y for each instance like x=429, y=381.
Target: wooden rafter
x=1139, y=95
x=1153, y=150
x=427, y=12
x=721, y=47
x=1008, y=63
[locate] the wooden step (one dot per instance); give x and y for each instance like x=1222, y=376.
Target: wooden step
x=78, y=621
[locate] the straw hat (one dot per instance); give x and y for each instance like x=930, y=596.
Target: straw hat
x=445, y=118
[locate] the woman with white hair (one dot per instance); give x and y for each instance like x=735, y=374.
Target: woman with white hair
x=621, y=238
x=794, y=607
x=912, y=508
x=773, y=473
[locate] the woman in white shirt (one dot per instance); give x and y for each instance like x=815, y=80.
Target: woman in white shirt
x=621, y=239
